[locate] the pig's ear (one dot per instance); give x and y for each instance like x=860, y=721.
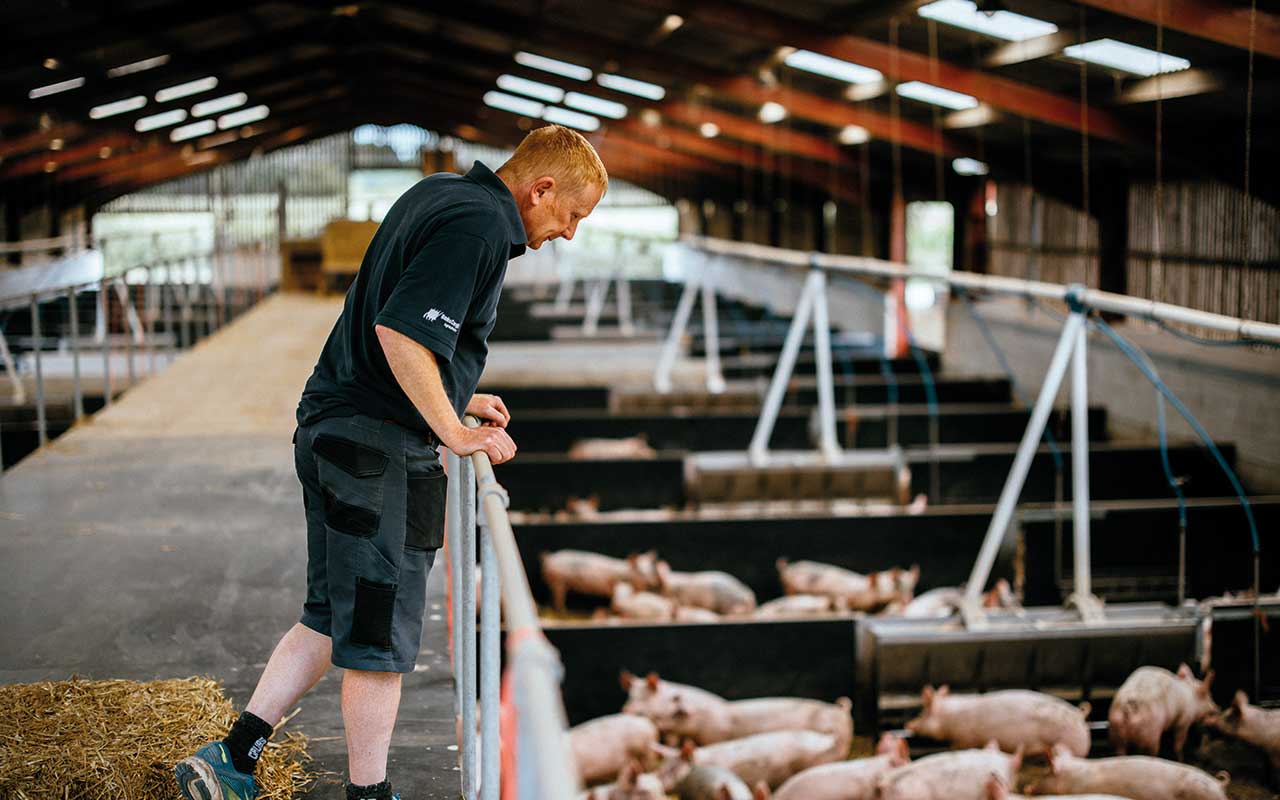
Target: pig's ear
x=1016, y=758
x=1240, y=701
x=1185, y=672
x=904, y=752
x=926, y=698
x=1085, y=708
x=626, y=679
x=996, y=789
x=759, y=792
x=1206, y=683
x=894, y=574
x=943, y=691
x=652, y=680
x=992, y=744
x=663, y=750
x=781, y=564
x=686, y=749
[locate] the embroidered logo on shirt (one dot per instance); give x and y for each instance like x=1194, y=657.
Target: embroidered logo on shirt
x=436, y=315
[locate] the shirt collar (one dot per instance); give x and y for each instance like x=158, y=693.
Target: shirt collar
x=510, y=212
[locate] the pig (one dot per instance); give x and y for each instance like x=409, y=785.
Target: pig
x=996, y=790
x=956, y=775
x=717, y=591
x=695, y=614
x=860, y=592
x=846, y=780
x=768, y=758
x=1152, y=701
x=706, y=718
x=1256, y=726
x=631, y=447
x=602, y=747
x=1135, y=777
x=801, y=605
x=632, y=784
x=1015, y=719
x=946, y=600
x=595, y=574
x=713, y=783
x=632, y=604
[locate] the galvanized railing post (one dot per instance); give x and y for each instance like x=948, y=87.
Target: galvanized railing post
x=711, y=338
x=42, y=425
x=625, y=324
x=490, y=664
x=77, y=390
x=466, y=636
x=671, y=347
x=1084, y=600
x=972, y=607
x=828, y=442
x=757, y=451
x=104, y=325
x=453, y=528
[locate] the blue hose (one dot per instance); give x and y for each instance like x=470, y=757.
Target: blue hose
x=1143, y=364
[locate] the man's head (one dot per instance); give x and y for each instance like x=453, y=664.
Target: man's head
x=557, y=178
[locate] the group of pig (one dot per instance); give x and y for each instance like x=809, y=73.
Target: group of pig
x=644, y=587
x=796, y=749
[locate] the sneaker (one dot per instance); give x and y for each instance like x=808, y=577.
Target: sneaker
x=210, y=775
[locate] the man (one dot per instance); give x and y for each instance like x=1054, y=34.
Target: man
x=397, y=372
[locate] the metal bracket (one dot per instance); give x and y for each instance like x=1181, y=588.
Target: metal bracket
x=490, y=486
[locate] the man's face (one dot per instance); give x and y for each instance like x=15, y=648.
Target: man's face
x=554, y=213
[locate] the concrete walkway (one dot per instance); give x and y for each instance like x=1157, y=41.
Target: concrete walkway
x=164, y=537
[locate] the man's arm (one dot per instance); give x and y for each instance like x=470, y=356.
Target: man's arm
x=418, y=375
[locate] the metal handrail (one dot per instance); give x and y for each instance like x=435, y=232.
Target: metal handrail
x=997, y=284
x=545, y=768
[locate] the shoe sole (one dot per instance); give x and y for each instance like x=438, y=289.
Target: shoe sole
x=197, y=780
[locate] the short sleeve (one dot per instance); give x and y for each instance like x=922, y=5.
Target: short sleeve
x=430, y=302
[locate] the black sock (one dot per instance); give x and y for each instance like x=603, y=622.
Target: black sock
x=248, y=736
x=377, y=791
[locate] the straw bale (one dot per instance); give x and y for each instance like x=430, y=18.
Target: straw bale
x=118, y=740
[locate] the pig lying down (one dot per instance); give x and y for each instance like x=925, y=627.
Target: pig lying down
x=716, y=783
x=860, y=592
x=713, y=590
x=958, y=775
x=593, y=574
x=769, y=758
x=1153, y=701
x=801, y=605
x=603, y=747
x=1136, y=777
x=632, y=784
x=846, y=780
x=1015, y=719
x=689, y=712
x=631, y=447
x=998, y=791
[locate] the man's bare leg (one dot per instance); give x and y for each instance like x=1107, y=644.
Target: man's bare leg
x=299, y=661
x=370, y=701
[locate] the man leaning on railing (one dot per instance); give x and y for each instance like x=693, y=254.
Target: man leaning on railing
x=398, y=370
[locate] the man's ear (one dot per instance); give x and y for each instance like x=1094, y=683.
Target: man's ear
x=540, y=188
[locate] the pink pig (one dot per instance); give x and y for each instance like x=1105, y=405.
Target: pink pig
x=801, y=605
x=595, y=574
x=846, y=780
x=706, y=718
x=1136, y=777
x=602, y=747
x=996, y=790
x=957, y=775
x=860, y=592
x=1153, y=700
x=713, y=590
x=632, y=784
x=1014, y=719
x=769, y=758
x=1256, y=726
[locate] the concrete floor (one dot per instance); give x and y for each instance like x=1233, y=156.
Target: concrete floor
x=164, y=538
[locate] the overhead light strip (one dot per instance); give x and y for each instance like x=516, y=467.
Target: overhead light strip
x=595, y=105
x=554, y=66
x=573, y=119
x=540, y=91
x=117, y=107
x=621, y=83
x=55, y=88
x=137, y=66
x=1126, y=57
x=193, y=130
x=161, y=120
x=186, y=89
x=219, y=104
x=829, y=67
x=936, y=95
x=997, y=24
x=516, y=105
x=242, y=117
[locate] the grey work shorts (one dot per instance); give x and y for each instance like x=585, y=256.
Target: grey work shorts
x=375, y=495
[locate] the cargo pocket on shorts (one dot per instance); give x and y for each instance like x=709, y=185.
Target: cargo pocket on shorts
x=375, y=605
x=424, y=529
x=350, y=475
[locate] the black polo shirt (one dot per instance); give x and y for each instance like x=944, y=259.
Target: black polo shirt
x=433, y=272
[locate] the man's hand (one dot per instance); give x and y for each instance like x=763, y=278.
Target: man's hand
x=493, y=440
x=489, y=409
